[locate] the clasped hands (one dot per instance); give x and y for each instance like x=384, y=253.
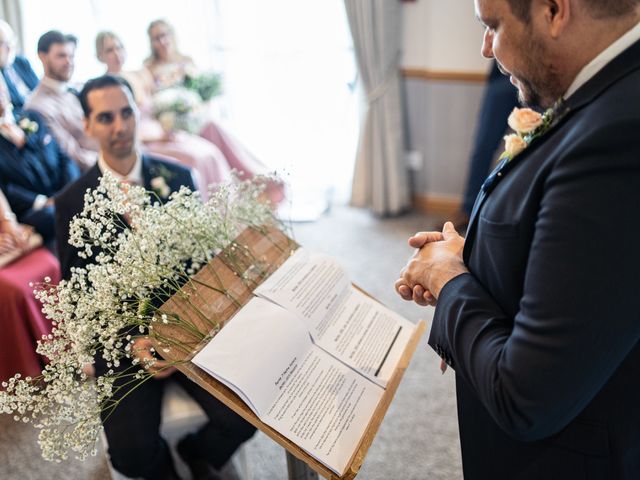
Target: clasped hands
x=437, y=260
x=11, y=131
x=14, y=236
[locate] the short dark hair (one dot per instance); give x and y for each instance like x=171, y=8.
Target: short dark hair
x=98, y=83
x=598, y=8
x=54, y=36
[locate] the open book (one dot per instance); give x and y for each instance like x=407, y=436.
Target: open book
x=310, y=355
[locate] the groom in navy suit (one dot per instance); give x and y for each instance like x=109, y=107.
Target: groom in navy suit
x=135, y=445
x=537, y=310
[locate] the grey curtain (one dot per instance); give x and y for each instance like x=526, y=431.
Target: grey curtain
x=11, y=12
x=381, y=180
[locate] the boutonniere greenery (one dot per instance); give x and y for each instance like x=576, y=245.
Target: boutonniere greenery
x=160, y=180
x=527, y=125
x=28, y=126
x=160, y=187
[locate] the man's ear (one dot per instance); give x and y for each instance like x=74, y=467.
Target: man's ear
x=85, y=122
x=556, y=15
x=42, y=56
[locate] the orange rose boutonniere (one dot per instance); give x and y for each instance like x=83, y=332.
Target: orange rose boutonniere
x=528, y=124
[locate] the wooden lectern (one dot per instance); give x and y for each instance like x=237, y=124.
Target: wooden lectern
x=224, y=286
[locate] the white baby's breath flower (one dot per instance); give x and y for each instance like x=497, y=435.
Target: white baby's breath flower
x=100, y=308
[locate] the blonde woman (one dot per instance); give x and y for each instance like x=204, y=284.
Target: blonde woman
x=168, y=67
x=203, y=157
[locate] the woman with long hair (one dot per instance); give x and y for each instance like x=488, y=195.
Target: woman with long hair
x=168, y=67
x=204, y=158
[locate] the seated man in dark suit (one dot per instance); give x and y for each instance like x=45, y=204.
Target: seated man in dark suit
x=19, y=77
x=135, y=445
x=32, y=169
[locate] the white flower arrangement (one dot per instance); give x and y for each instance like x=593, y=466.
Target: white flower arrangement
x=177, y=108
x=28, y=126
x=103, y=308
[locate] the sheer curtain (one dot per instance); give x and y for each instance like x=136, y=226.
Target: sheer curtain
x=380, y=179
x=290, y=72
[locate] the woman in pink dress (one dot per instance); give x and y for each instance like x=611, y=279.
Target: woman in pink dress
x=205, y=159
x=168, y=67
x=21, y=319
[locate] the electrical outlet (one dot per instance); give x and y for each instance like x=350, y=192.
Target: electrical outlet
x=414, y=160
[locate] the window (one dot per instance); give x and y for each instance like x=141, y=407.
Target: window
x=288, y=71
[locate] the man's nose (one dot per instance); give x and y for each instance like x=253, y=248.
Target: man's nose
x=119, y=125
x=487, y=44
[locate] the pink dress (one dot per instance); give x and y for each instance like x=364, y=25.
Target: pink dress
x=237, y=156
x=208, y=164
x=206, y=161
x=21, y=319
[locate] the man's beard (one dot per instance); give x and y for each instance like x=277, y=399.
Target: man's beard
x=539, y=86
x=528, y=95
x=62, y=75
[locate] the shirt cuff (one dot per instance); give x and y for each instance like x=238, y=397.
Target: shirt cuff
x=39, y=202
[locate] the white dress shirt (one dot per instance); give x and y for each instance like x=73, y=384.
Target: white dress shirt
x=603, y=58
x=134, y=177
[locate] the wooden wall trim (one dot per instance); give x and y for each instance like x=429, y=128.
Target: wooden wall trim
x=444, y=75
x=437, y=205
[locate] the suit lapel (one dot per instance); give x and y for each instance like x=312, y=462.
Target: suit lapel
x=16, y=98
x=147, y=173
x=92, y=177
x=496, y=176
x=624, y=64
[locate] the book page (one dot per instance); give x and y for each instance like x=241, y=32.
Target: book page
x=255, y=351
x=325, y=408
x=366, y=335
x=310, y=284
x=343, y=321
x=265, y=354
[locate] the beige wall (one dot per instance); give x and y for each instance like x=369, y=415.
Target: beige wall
x=442, y=35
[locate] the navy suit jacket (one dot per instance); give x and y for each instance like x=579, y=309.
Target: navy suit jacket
x=38, y=168
x=70, y=202
x=544, y=332
x=23, y=70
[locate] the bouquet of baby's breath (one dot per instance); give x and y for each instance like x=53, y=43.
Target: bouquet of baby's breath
x=143, y=252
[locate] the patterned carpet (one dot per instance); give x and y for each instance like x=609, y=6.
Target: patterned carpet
x=418, y=438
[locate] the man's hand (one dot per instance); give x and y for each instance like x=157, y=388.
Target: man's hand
x=14, y=134
x=418, y=293
x=143, y=349
x=13, y=235
x=438, y=260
